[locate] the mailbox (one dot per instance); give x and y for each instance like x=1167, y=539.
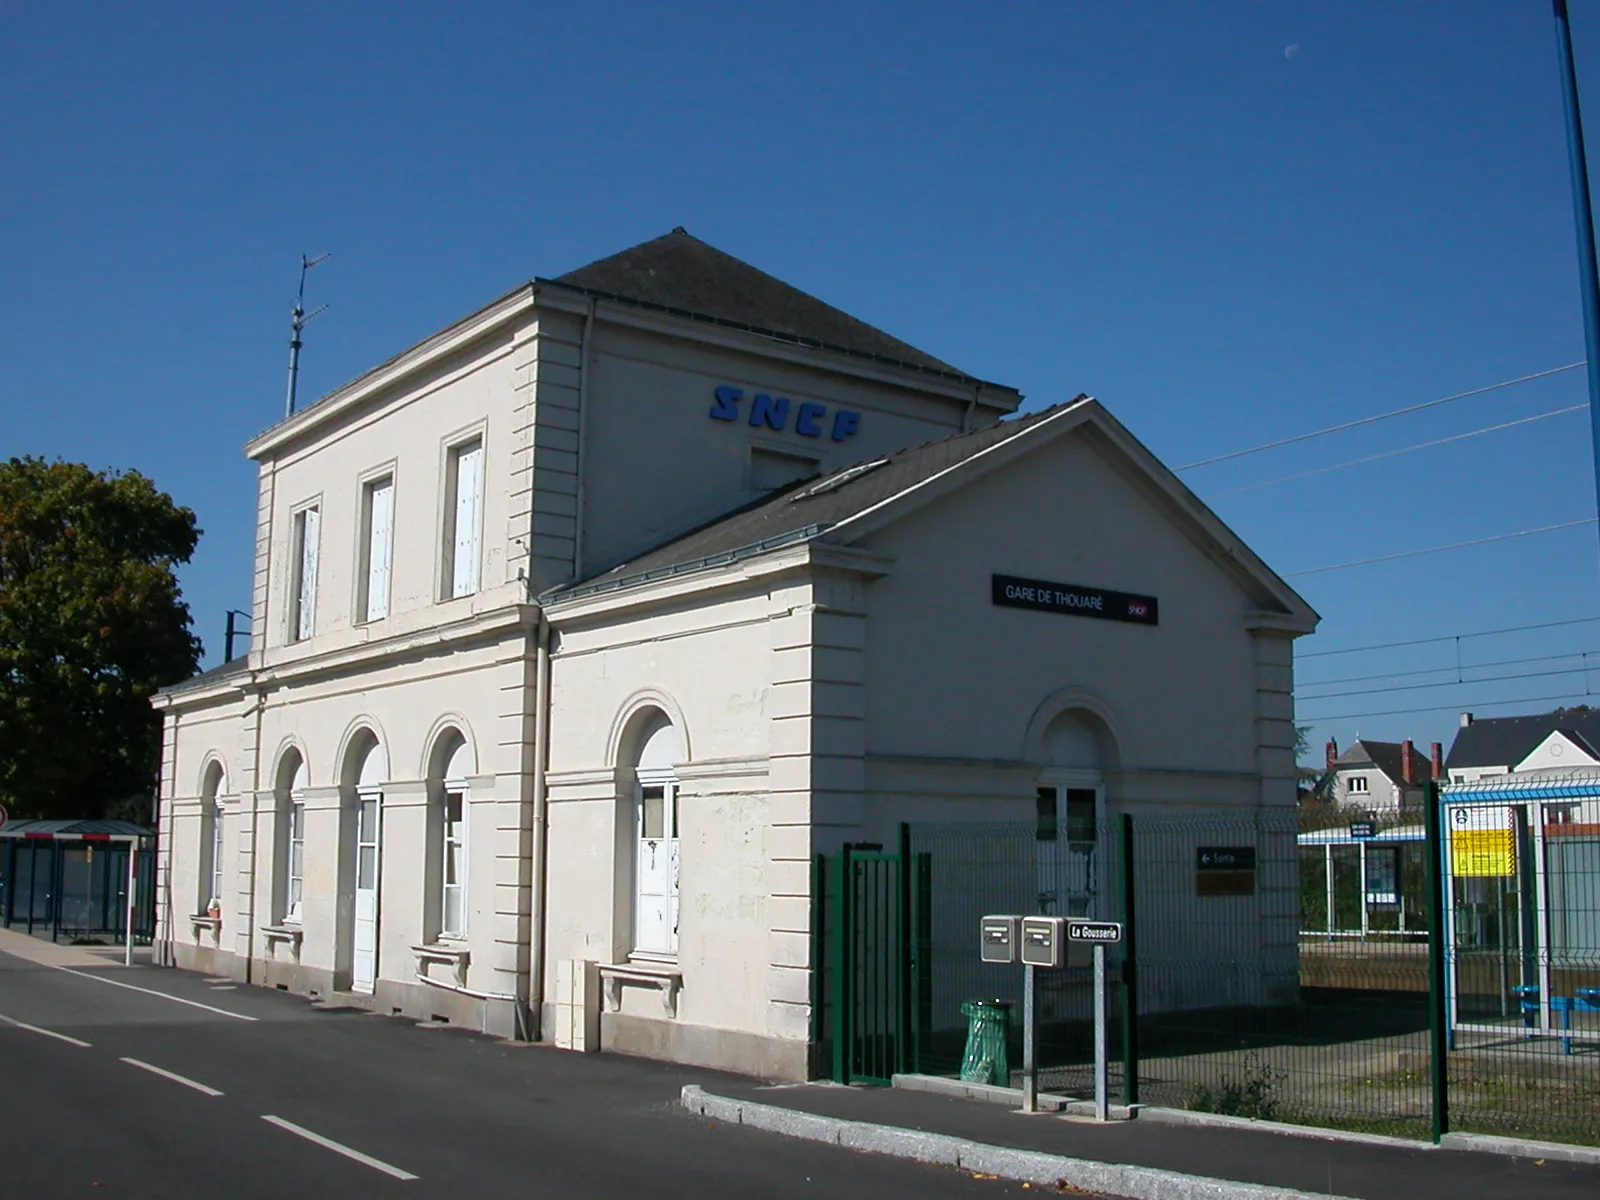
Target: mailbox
x=999, y=939
x=1044, y=941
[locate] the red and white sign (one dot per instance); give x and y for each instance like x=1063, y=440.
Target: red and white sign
x=2, y=816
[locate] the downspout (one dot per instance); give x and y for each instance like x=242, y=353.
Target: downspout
x=541, y=822
x=966, y=417
x=583, y=437
x=255, y=842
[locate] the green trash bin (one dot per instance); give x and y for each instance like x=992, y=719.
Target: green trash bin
x=988, y=1024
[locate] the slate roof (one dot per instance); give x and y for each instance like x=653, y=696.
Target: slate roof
x=680, y=274
x=1506, y=741
x=806, y=509
x=1387, y=757
x=214, y=675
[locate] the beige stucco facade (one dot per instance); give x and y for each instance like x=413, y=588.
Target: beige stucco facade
x=820, y=690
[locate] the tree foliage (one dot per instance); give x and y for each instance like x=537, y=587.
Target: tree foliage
x=92, y=622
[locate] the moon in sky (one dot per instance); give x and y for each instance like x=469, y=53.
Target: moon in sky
x=1291, y=49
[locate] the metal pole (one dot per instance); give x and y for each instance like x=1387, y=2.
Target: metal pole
x=1583, y=215
x=1439, y=1060
x=1327, y=864
x=1030, y=1082
x=133, y=857
x=1101, y=1080
x=1130, y=972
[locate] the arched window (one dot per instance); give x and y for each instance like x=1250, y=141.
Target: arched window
x=449, y=836
x=655, y=863
x=211, y=835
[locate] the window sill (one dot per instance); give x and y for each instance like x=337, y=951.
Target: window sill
x=454, y=955
x=288, y=934
x=201, y=921
x=644, y=972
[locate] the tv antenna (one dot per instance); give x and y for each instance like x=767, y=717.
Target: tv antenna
x=297, y=322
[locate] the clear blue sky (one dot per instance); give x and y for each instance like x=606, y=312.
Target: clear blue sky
x=1161, y=204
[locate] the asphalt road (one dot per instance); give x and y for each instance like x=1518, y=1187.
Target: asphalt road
x=189, y=1089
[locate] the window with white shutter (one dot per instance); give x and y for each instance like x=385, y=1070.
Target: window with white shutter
x=307, y=532
x=378, y=510
x=466, y=462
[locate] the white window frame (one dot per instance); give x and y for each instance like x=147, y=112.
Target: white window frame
x=217, y=857
x=671, y=832
x=1358, y=785
x=376, y=547
x=295, y=862
x=462, y=532
x=305, y=551
x=453, y=790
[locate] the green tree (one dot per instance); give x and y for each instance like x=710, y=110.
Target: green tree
x=92, y=622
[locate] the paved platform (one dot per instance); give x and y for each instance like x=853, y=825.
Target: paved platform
x=1367, y=1170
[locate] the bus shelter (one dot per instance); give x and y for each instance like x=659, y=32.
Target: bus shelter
x=1522, y=875
x=78, y=879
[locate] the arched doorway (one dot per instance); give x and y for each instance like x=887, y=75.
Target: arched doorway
x=370, y=771
x=655, y=862
x=1070, y=828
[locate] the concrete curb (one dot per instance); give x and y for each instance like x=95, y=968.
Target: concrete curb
x=1488, y=1144
x=1026, y=1166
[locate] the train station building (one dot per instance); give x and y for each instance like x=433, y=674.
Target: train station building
x=582, y=626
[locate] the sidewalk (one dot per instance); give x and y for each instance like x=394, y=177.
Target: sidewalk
x=1209, y=1156
x=60, y=954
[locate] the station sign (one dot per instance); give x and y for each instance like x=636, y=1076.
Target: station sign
x=766, y=411
x=1225, y=871
x=1097, y=932
x=1073, y=600
x=1363, y=829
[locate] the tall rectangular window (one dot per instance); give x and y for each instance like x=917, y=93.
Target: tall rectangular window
x=463, y=502
x=377, y=520
x=454, y=908
x=307, y=533
x=297, y=857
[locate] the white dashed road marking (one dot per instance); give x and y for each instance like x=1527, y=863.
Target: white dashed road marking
x=329, y=1144
x=152, y=992
x=49, y=1033
x=154, y=1070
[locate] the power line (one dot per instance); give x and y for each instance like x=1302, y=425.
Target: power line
x=1399, y=412
x=1417, y=687
x=1448, y=637
x=1457, y=668
x=1461, y=705
x=1499, y=537
x=1356, y=462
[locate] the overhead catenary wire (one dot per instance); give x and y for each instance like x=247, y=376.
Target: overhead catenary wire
x=1356, y=462
x=1499, y=537
x=1360, y=421
x=1447, y=637
x=1458, y=668
x=1442, y=683
x=1453, y=706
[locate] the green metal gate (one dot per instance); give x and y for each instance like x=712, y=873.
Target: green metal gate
x=871, y=995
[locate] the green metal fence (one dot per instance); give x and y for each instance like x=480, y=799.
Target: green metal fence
x=1283, y=966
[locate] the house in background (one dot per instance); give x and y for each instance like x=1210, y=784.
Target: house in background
x=1380, y=777
x=1566, y=738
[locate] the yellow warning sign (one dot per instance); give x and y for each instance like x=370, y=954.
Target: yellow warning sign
x=1482, y=852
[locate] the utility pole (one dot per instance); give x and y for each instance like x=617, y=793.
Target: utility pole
x=297, y=322
x=1583, y=214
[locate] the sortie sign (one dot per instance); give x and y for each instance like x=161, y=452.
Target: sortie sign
x=1041, y=595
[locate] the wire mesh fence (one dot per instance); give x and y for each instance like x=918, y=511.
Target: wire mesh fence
x=1280, y=965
